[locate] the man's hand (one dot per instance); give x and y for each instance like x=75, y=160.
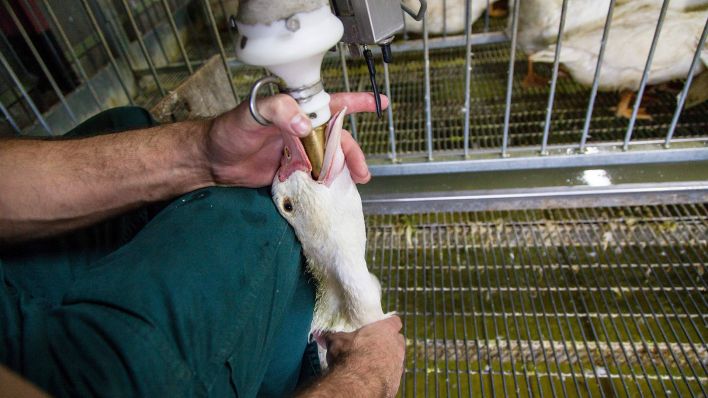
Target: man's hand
x=244, y=153
x=49, y=187
x=365, y=363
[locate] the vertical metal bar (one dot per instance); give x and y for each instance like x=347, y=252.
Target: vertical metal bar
x=347, y=87
x=428, y=106
x=504, y=235
x=686, y=86
x=645, y=75
x=486, y=16
x=106, y=47
x=228, y=25
x=435, y=230
x=411, y=315
x=38, y=57
x=146, y=53
x=510, y=80
x=426, y=323
x=107, y=12
x=13, y=54
x=53, y=47
x=151, y=21
x=405, y=25
x=27, y=98
x=469, y=263
x=415, y=323
x=444, y=15
x=485, y=334
x=224, y=60
x=9, y=118
x=554, y=79
x=461, y=294
x=497, y=336
x=468, y=75
x=434, y=305
x=72, y=53
x=389, y=112
x=596, y=79
x=545, y=253
x=175, y=31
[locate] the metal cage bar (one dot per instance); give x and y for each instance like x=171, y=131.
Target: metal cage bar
x=143, y=48
x=72, y=53
x=468, y=77
x=554, y=79
x=347, y=87
x=645, y=75
x=687, y=85
x=428, y=106
x=596, y=78
x=9, y=119
x=510, y=80
x=389, y=114
x=39, y=60
x=107, y=48
x=222, y=53
x=175, y=32
x=23, y=92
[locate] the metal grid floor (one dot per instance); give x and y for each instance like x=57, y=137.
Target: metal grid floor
x=559, y=302
x=489, y=78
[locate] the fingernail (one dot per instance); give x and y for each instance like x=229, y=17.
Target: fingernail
x=300, y=125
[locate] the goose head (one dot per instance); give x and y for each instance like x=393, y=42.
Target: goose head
x=327, y=217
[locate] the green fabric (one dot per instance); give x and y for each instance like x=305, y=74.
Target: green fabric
x=204, y=297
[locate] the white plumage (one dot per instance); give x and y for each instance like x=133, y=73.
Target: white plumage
x=449, y=17
x=628, y=45
x=328, y=220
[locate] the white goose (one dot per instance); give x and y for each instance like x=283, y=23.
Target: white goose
x=539, y=21
x=328, y=220
x=454, y=12
x=628, y=45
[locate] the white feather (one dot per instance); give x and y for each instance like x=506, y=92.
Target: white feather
x=449, y=17
x=329, y=223
x=628, y=44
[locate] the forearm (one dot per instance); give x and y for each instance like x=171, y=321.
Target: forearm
x=48, y=187
x=345, y=381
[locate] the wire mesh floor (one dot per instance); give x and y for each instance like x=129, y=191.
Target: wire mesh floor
x=559, y=302
x=488, y=89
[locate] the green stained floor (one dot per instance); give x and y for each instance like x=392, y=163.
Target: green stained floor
x=579, y=302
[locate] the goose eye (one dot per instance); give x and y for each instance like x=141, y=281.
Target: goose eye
x=288, y=205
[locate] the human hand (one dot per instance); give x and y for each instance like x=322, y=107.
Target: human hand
x=375, y=353
x=242, y=152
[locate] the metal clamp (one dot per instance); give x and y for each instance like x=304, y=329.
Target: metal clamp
x=305, y=93
x=254, y=94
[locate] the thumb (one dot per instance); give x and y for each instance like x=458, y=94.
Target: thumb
x=285, y=114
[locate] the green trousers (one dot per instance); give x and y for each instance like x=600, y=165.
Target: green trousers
x=203, y=296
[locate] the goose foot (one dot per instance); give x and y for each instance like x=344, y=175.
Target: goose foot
x=625, y=107
x=500, y=9
x=533, y=79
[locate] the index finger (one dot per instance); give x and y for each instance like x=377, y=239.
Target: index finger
x=355, y=102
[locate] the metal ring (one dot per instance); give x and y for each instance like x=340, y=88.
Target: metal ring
x=305, y=93
x=254, y=94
